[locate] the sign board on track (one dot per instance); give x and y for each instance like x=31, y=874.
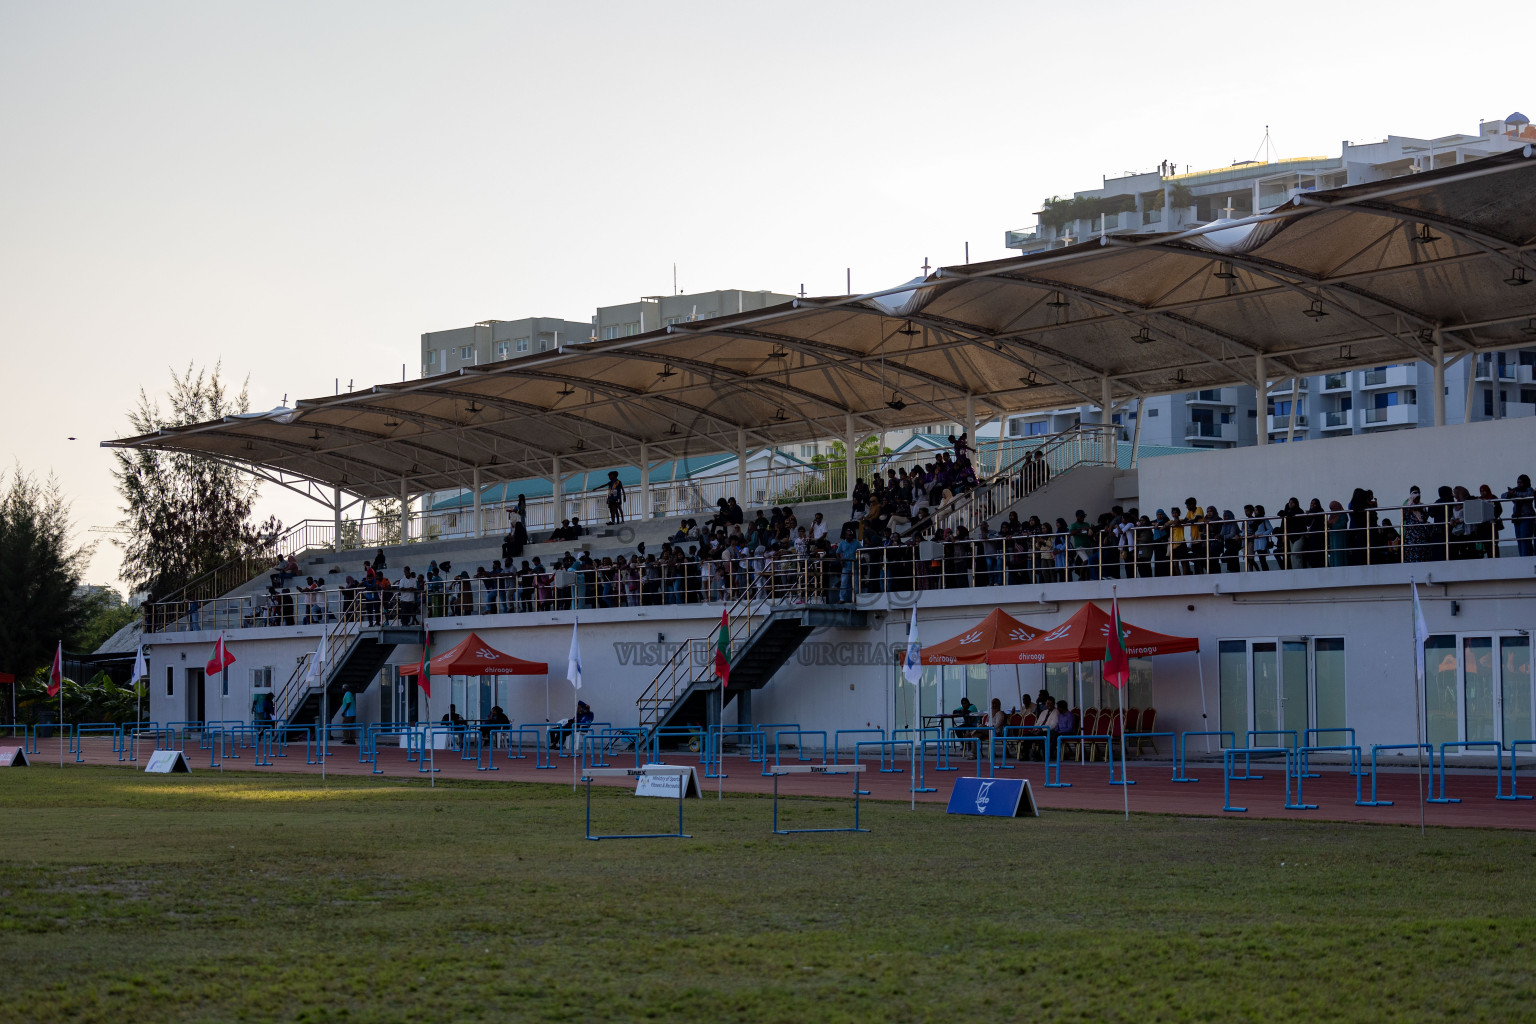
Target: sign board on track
x=163, y=762
x=667, y=785
x=13, y=757
x=993, y=798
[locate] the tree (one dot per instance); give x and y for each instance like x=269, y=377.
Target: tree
x=41, y=604
x=105, y=612
x=185, y=515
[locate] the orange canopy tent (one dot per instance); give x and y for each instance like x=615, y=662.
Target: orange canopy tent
x=472, y=656
x=1084, y=637
x=999, y=629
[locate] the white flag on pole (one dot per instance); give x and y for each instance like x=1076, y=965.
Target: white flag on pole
x=573, y=665
x=1420, y=630
x=316, y=671
x=140, y=666
x=912, y=665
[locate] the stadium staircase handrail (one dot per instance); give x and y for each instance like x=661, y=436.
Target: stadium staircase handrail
x=1093, y=444
x=335, y=642
x=678, y=673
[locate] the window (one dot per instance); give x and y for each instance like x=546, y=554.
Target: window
x=1528, y=396
x=1226, y=417
x=669, y=321
x=466, y=352
x=522, y=344
x=807, y=451
x=170, y=681
x=1273, y=689
x=1036, y=429
x=1253, y=414
x=1152, y=412
x=609, y=333
x=503, y=349
x=261, y=678
x=1477, y=688
x=543, y=344
x=1528, y=357
x=631, y=329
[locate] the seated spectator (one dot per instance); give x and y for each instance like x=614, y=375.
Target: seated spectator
x=495, y=718
x=566, y=728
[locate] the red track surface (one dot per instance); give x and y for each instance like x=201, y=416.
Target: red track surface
x=1154, y=791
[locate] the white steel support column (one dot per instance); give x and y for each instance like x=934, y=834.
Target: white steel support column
x=336, y=508
x=1439, y=379
x=969, y=426
x=1261, y=385
x=558, y=492
x=1290, y=428
x=645, y=482
x=849, y=459
x=1471, y=360
x=405, y=511
x=741, y=467
x=1106, y=418
x=476, y=531
x=1141, y=414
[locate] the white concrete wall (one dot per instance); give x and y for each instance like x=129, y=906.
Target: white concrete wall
x=1491, y=452
x=844, y=679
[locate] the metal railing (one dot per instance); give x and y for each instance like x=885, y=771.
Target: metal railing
x=335, y=638
x=687, y=664
x=1034, y=463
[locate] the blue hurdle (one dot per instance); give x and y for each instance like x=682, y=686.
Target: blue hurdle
x=1377, y=748
x=814, y=769
x=650, y=769
x=1498, y=755
x=1229, y=763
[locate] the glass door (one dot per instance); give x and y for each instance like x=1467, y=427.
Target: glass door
x=1477, y=689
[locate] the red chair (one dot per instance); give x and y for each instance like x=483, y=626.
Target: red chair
x=1133, y=720
x=1100, y=727
x=1148, y=721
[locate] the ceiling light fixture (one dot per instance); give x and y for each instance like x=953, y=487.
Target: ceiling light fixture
x=1530, y=327
x=1058, y=301
x=566, y=392
x=1517, y=278
x=666, y=371
x=474, y=407
x=779, y=352
x=1315, y=310
x=895, y=404
x=906, y=329
x=1143, y=337
x=1424, y=237
x=1225, y=273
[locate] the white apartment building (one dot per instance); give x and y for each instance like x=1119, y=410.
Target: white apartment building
x=491, y=341
x=1354, y=402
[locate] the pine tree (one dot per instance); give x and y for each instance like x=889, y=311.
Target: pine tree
x=41, y=603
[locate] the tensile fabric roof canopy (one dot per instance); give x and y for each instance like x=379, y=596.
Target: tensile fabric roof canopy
x=1085, y=636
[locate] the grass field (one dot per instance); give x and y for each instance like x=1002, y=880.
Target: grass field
x=125, y=896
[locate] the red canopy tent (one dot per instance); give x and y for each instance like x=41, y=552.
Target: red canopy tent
x=472, y=656
x=1085, y=636
x=999, y=629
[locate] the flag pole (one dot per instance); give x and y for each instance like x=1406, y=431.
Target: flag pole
x=61, y=719
x=1420, y=683
x=1125, y=788
x=223, y=689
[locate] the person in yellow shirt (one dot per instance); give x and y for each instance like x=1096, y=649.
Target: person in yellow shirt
x=1196, y=521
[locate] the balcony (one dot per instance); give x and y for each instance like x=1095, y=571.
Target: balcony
x=1211, y=396
x=1280, y=424
x=1392, y=416
x=1391, y=377
x=1335, y=382
x=1284, y=387
x=1341, y=419
x=1204, y=430
x=1506, y=371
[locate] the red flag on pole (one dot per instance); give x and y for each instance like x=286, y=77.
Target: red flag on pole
x=723, y=651
x=424, y=680
x=1117, y=665
x=56, y=674
x=221, y=659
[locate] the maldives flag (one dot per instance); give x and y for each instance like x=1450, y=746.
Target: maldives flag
x=56, y=674
x=424, y=678
x=1117, y=665
x=723, y=651
x=221, y=659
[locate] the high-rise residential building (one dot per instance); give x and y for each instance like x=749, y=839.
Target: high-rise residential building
x=491, y=341
x=1489, y=386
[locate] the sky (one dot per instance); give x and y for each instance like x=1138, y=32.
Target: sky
x=297, y=191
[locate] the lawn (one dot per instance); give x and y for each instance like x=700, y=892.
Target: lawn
x=126, y=896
